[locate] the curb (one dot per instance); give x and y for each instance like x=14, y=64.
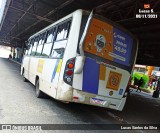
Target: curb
x=15, y=62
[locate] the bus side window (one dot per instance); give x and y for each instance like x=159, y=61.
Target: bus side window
x=26, y=52
x=30, y=49
x=34, y=46
x=61, y=40
x=63, y=31
x=27, y=48
x=48, y=43
x=58, y=49
x=50, y=35
x=30, y=46
x=40, y=44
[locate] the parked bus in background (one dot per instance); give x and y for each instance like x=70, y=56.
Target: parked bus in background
x=82, y=58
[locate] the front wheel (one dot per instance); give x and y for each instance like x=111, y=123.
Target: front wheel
x=39, y=93
x=24, y=79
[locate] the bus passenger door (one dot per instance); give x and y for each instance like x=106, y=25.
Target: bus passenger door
x=26, y=61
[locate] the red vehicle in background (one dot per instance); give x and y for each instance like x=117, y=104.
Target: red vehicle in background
x=152, y=82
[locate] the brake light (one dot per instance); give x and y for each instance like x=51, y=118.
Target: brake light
x=75, y=98
x=69, y=69
x=69, y=72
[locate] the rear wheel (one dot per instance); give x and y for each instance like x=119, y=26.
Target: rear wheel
x=39, y=93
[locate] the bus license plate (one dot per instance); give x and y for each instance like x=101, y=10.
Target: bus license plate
x=97, y=101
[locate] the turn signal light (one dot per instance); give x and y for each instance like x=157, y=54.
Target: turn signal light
x=70, y=65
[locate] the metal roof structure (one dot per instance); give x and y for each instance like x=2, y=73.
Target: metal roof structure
x=22, y=18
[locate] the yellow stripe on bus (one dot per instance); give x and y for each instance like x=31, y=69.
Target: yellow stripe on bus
x=59, y=66
x=102, y=75
x=40, y=66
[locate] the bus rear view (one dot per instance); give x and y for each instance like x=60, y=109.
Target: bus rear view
x=101, y=71
x=81, y=58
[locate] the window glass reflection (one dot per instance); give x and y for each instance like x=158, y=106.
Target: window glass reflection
x=30, y=46
x=40, y=45
x=58, y=49
x=34, y=46
x=50, y=36
x=47, y=49
x=63, y=31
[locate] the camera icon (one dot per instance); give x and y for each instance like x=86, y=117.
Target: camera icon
x=6, y=127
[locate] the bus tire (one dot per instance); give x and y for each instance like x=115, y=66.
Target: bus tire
x=39, y=93
x=24, y=79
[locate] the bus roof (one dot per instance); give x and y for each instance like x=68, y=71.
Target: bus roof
x=56, y=22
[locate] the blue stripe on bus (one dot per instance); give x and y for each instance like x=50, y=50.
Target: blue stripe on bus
x=54, y=71
x=90, y=76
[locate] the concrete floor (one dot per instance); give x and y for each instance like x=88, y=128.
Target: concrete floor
x=141, y=108
x=19, y=105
